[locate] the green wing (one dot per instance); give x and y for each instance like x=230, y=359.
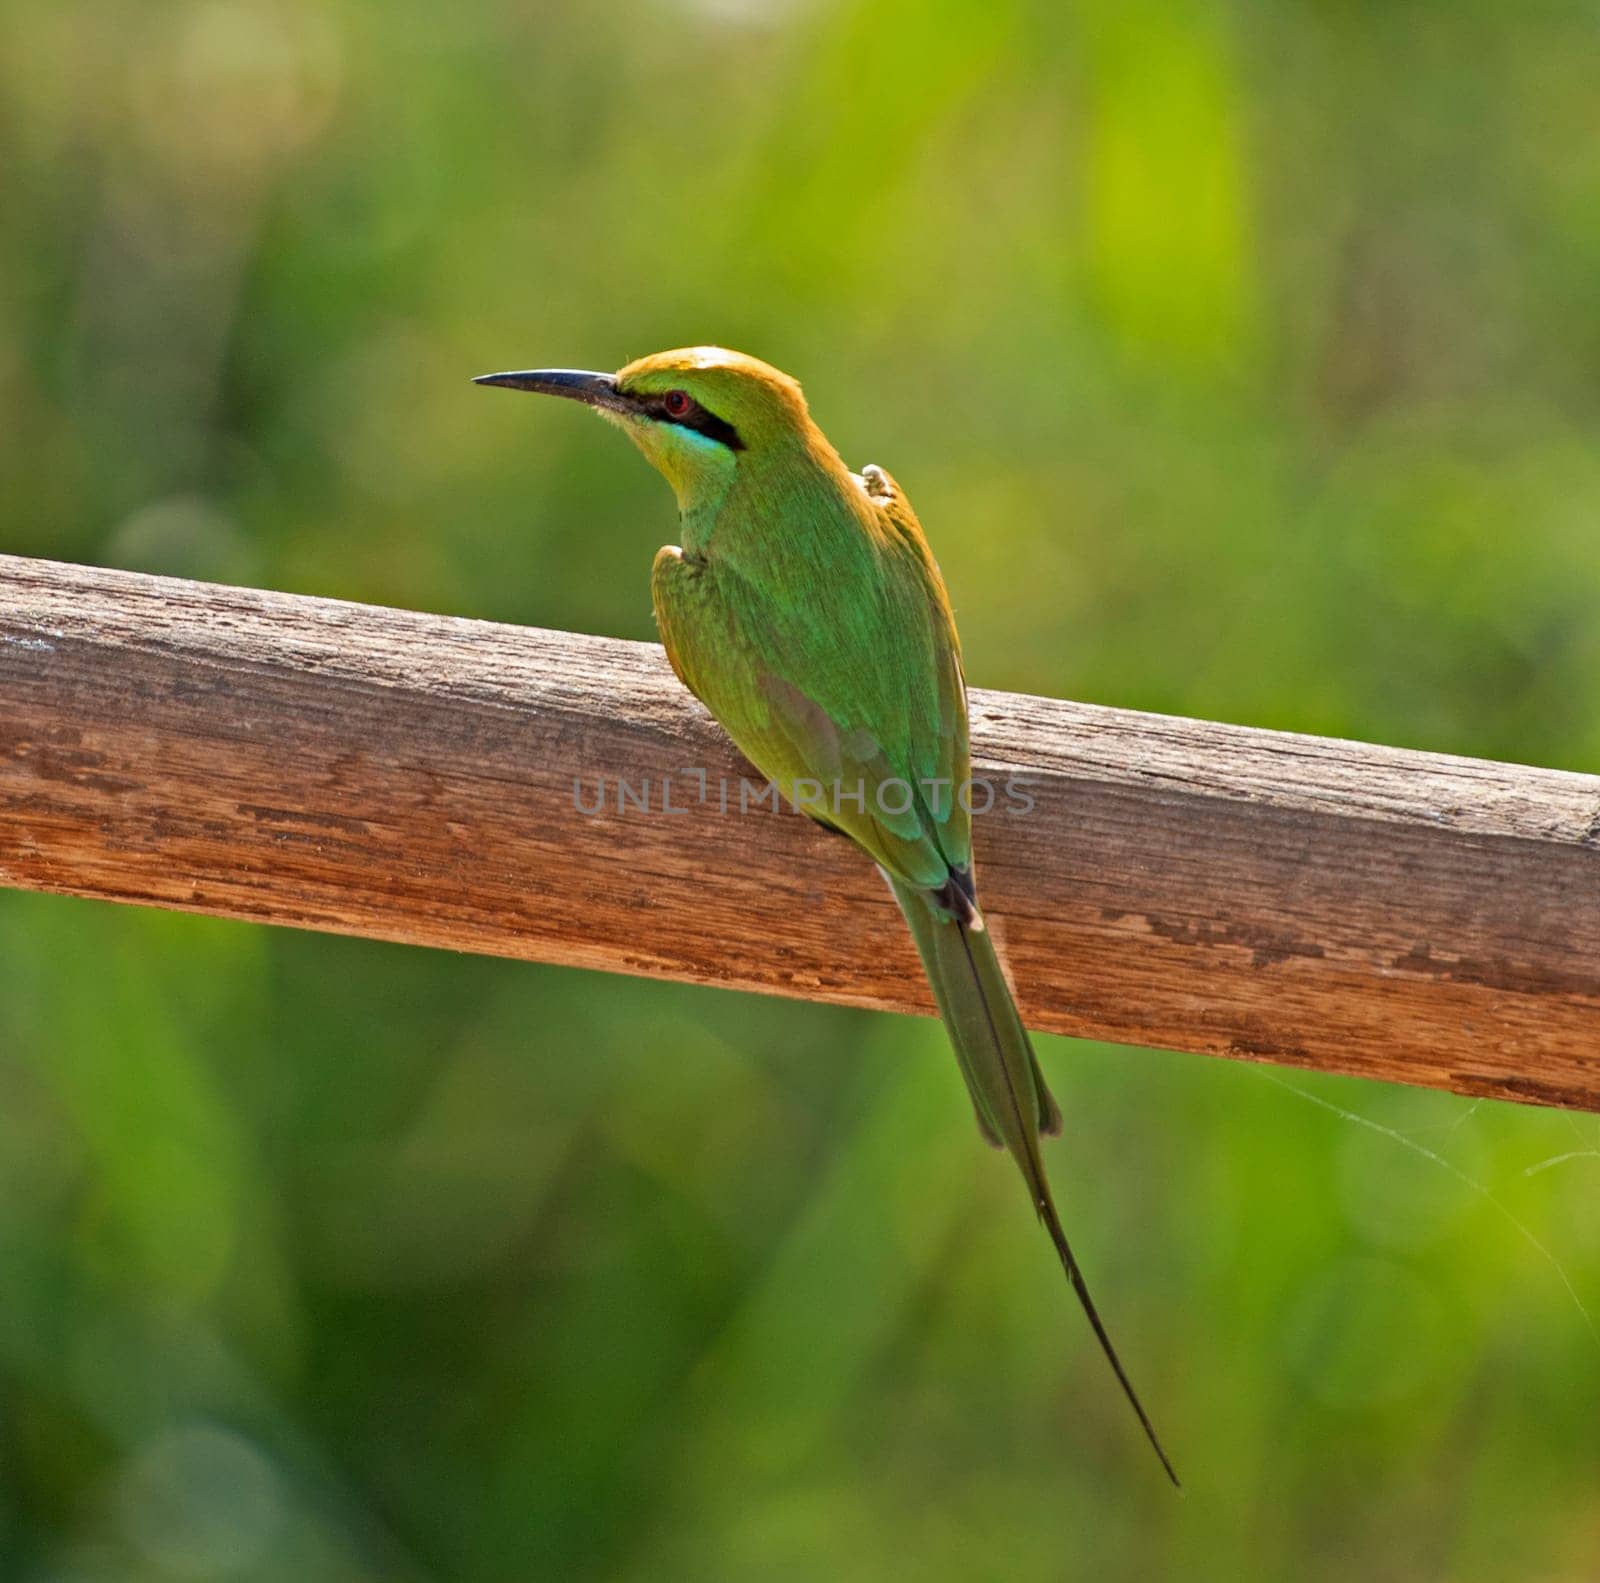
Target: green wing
x=845, y=674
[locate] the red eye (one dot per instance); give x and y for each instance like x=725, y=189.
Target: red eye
x=677, y=403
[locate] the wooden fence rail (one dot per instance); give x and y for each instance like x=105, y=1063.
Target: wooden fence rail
x=561, y=798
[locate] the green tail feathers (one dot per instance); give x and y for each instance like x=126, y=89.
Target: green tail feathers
x=1009, y=1097
x=1008, y=1090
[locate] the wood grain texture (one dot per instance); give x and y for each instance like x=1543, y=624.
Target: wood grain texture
x=412, y=777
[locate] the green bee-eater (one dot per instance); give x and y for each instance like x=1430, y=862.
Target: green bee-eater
x=804, y=609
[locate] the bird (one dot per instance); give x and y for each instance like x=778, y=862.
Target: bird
x=805, y=610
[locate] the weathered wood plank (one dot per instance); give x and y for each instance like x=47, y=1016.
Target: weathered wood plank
x=413, y=777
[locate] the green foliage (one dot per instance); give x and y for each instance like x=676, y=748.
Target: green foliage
x=1241, y=362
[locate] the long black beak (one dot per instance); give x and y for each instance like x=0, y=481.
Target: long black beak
x=576, y=384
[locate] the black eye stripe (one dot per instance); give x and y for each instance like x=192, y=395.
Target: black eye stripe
x=696, y=418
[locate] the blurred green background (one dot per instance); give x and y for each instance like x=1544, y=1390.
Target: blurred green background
x=1243, y=361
